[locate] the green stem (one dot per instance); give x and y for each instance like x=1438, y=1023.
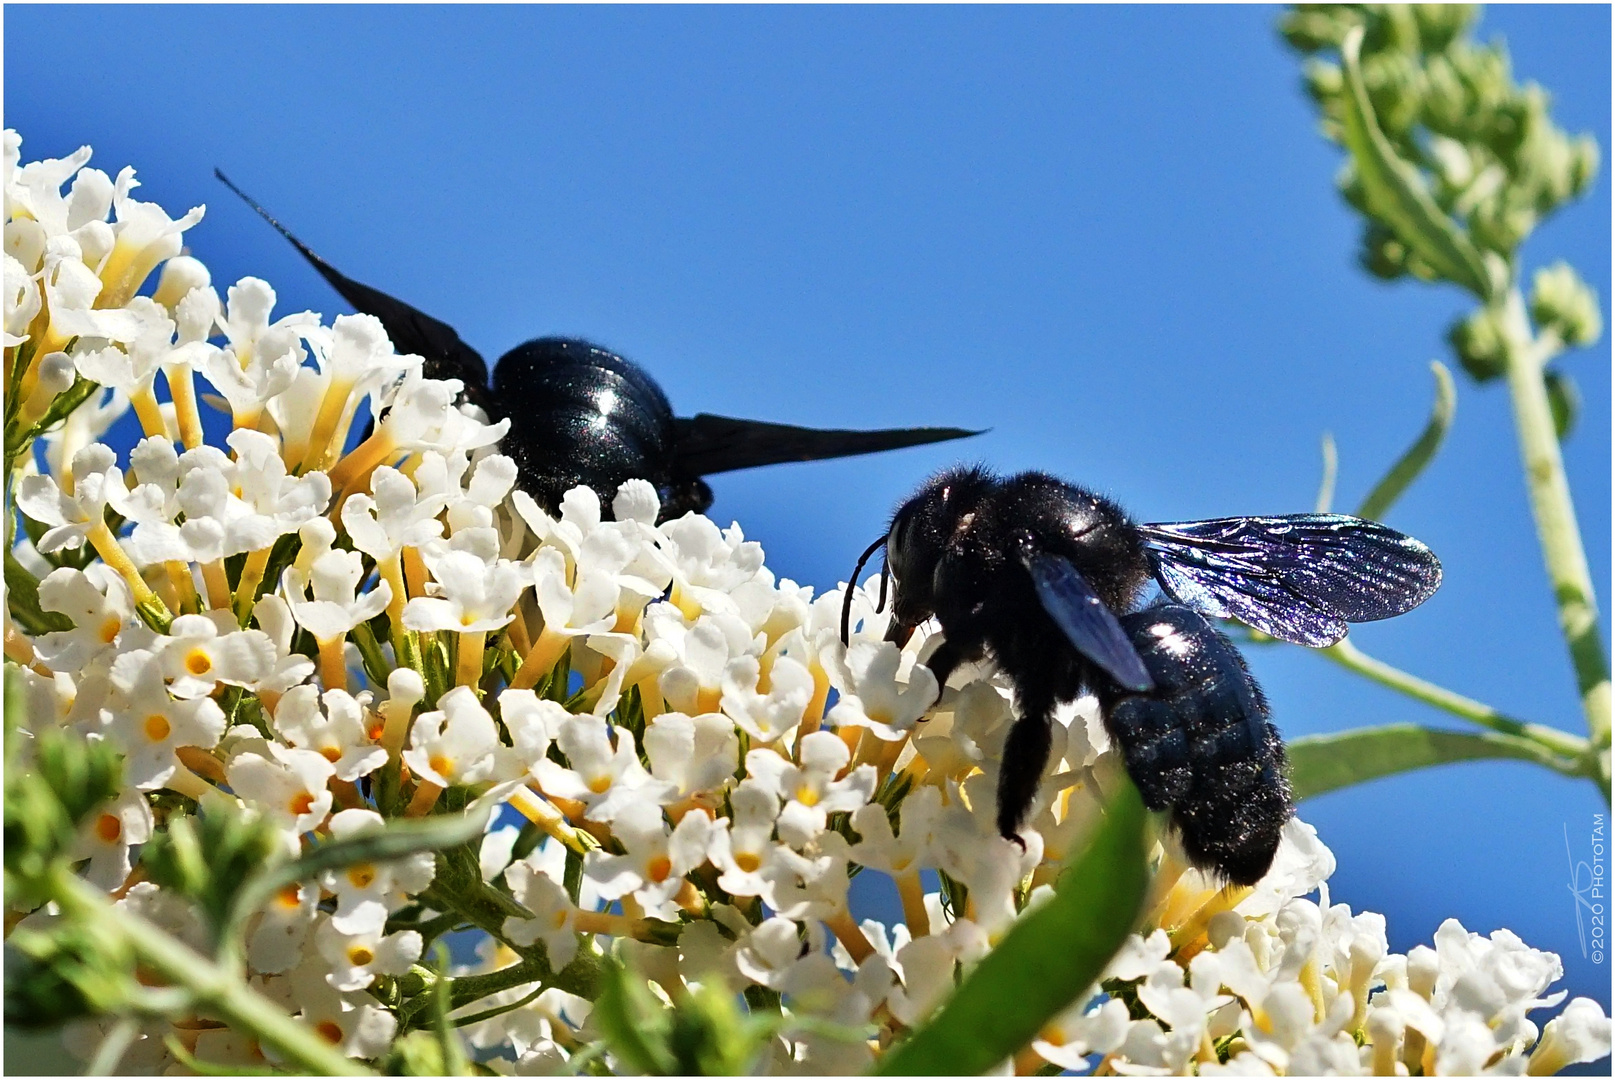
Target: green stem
x=1555, y=516
x=1351, y=658
x=216, y=990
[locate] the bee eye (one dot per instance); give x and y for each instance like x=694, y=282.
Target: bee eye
x=894, y=549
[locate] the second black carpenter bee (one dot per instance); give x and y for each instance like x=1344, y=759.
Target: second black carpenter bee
x=1043, y=578
x=583, y=415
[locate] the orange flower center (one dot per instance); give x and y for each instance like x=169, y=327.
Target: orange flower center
x=108, y=827
x=359, y=956
x=329, y=1031
x=361, y=875
x=110, y=628
x=301, y=803
x=198, y=662
x=441, y=764
x=748, y=862
x=157, y=727
x=290, y=897
x=658, y=869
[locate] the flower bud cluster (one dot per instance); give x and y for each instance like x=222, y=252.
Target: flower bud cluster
x=689, y=765
x=1493, y=157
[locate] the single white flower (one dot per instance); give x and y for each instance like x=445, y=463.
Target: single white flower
x=149, y=725
x=810, y=791
x=288, y=786
x=357, y=958
x=605, y=773
x=470, y=595
x=456, y=744
x=366, y=892
x=554, y=917
x=340, y=733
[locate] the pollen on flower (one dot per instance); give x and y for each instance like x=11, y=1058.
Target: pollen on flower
x=198, y=662
x=329, y=1031
x=747, y=861
x=360, y=875
x=441, y=764
x=658, y=869
x=109, y=629
x=157, y=727
x=599, y=784
x=109, y=827
x=301, y=803
x=290, y=897
x=333, y=754
x=807, y=795
x=359, y=956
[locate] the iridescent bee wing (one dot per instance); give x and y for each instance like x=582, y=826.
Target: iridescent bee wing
x=1301, y=578
x=1090, y=626
x=707, y=444
x=412, y=331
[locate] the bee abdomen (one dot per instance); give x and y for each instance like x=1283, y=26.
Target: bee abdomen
x=1200, y=744
x=588, y=417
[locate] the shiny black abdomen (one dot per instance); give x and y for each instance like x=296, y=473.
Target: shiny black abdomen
x=581, y=415
x=1200, y=744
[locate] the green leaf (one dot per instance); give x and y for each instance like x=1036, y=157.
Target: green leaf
x=1564, y=401
x=22, y=600
x=1396, y=194
x=634, y=1023
x=1051, y=956
x=1322, y=763
x=1414, y=460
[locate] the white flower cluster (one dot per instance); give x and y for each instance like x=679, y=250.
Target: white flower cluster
x=332, y=637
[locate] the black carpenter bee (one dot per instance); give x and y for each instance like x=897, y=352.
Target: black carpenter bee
x=1044, y=578
x=581, y=414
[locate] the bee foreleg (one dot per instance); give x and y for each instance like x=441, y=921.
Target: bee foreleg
x=1026, y=753
x=948, y=656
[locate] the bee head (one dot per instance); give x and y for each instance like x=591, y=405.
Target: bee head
x=919, y=536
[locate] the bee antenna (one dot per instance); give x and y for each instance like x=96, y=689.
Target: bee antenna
x=846, y=601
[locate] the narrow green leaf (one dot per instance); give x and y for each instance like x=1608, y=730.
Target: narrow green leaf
x=1414, y=460
x=1564, y=400
x=1051, y=956
x=1331, y=469
x=634, y=1023
x=22, y=600
x=1322, y=763
x=1396, y=194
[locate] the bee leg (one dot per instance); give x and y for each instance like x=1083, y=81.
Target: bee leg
x=684, y=496
x=946, y=659
x=1026, y=752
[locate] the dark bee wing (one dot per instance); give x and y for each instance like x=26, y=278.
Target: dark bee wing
x=411, y=330
x=1300, y=578
x=1090, y=626
x=707, y=444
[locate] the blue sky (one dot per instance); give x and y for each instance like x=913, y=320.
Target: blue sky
x=1109, y=234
